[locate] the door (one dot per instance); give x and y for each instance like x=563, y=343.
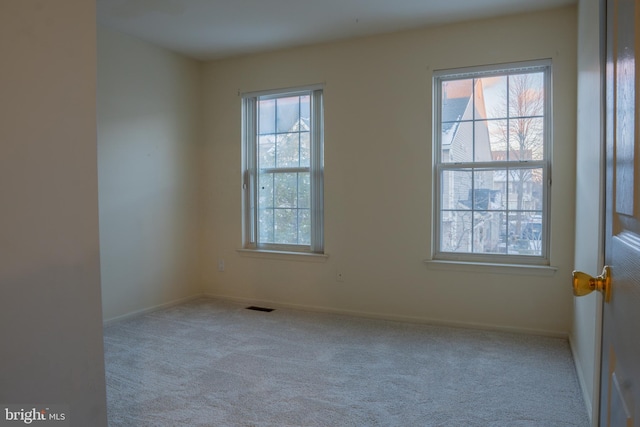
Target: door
x=620, y=369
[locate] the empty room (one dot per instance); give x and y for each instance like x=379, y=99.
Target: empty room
x=310, y=213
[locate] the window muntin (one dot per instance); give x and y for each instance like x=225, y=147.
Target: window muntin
x=492, y=163
x=283, y=163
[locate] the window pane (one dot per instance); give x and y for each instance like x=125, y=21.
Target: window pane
x=265, y=190
x=304, y=190
x=526, y=95
x=288, y=150
x=537, y=189
x=455, y=231
x=286, y=226
x=305, y=149
x=265, y=225
x=457, y=142
x=304, y=226
x=487, y=231
x=527, y=235
x=305, y=111
x=503, y=240
x=267, y=116
x=266, y=151
x=525, y=189
x=498, y=135
x=285, y=190
x=456, y=98
x=500, y=198
x=448, y=132
x=488, y=190
x=287, y=113
x=532, y=228
x=456, y=189
x=526, y=139
x=491, y=95
x=483, y=147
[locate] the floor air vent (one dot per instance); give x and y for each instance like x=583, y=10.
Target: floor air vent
x=265, y=309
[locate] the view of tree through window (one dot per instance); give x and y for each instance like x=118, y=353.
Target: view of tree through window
x=492, y=164
x=283, y=170
x=283, y=166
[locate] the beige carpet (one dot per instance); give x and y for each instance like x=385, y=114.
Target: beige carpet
x=215, y=363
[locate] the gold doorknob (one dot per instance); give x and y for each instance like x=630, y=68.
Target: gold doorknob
x=584, y=284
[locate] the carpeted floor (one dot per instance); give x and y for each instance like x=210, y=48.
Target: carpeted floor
x=214, y=363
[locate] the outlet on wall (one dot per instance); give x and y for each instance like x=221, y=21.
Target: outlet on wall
x=339, y=277
x=220, y=264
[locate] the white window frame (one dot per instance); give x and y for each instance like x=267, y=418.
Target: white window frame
x=439, y=166
x=251, y=173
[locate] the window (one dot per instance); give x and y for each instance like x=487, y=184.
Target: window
x=492, y=163
x=283, y=170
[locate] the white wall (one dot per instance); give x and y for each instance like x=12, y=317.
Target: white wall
x=149, y=121
x=50, y=314
x=585, y=333
x=378, y=177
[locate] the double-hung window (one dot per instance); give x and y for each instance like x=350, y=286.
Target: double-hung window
x=492, y=163
x=283, y=170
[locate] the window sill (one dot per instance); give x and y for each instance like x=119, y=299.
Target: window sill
x=283, y=255
x=478, y=267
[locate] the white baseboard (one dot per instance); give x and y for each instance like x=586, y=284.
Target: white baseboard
x=140, y=312
x=581, y=380
x=398, y=318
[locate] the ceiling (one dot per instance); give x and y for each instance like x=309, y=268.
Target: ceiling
x=213, y=29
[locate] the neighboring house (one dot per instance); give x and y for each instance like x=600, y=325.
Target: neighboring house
x=462, y=124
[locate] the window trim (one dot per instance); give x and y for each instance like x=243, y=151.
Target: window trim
x=250, y=169
x=439, y=76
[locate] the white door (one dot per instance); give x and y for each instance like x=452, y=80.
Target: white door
x=620, y=369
